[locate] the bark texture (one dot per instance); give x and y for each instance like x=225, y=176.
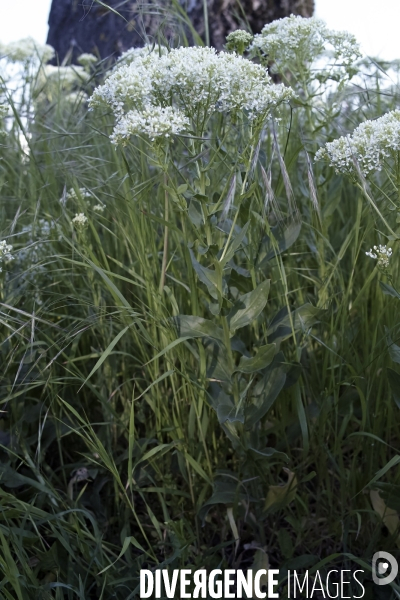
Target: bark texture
x=77, y=26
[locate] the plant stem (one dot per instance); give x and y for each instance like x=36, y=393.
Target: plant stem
x=165, y=248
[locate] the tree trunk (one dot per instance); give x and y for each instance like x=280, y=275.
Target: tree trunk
x=77, y=26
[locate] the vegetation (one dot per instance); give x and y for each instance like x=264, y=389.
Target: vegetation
x=199, y=361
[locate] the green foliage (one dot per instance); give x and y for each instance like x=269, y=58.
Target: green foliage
x=211, y=330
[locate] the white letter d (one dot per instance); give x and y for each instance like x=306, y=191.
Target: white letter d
x=143, y=593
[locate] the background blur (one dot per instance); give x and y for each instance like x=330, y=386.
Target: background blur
x=375, y=25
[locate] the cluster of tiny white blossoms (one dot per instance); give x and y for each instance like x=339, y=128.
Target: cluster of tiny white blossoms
x=72, y=196
x=367, y=148
x=133, y=53
x=186, y=86
x=153, y=121
x=5, y=252
x=99, y=207
x=76, y=98
x=382, y=254
x=296, y=43
x=52, y=79
x=80, y=221
x=238, y=40
x=86, y=59
x=27, y=50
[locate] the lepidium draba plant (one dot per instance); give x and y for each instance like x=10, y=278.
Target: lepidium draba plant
x=307, y=54
x=370, y=156
x=201, y=118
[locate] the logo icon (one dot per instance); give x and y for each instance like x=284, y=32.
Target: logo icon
x=384, y=568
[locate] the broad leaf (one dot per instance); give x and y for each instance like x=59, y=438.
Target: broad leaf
x=227, y=412
x=209, y=278
x=249, y=307
x=189, y=326
x=266, y=391
x=263, y=358
x=282, y=495
x=389, y=517
x=224, y=493
x=235, y=244
x=302, y=318
x=283, y=239
x=389, y=290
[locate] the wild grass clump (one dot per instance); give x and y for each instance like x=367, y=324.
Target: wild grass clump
x=199, y=361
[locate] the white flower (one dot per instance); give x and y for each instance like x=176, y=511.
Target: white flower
x=382, y=254
x=296, y=44
x=369, y=145
x=152, y=121
x=238, y=40
x=134, y=53
x=74, y=197
x=52, y=79
x=99, y=207
x=80, y=221
x=5, y=252
x=76, y=97
x=87, y=59
x=27, y=49
x=190, y=84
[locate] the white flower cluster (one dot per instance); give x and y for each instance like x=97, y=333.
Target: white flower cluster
x=86, y=59
x=52, y=79
x=27, y=50
x=99, y=208
x=382, y=254
x=66, y=76
x=73, y=196
x=80, y=221
x=296, y=43
x=369, y=145
x=238, y=40
x=153, y=121
x=186, y=84
x=5, y=252
x=76, y=98
x=134, y=53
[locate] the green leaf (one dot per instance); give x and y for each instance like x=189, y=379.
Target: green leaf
x=389, y=290
x=394, y=352
x=394, y=382
x=268, y=452
x=194, y=213
x=111, y=9
x=106, y=353
x=266, y=391
x=127, y=541
x=227, y=412
x=249, y=307
x=392, y=463
x=218, y=367
x=209, y=278
x=302, y=318
x=224, y=493
x=189, y=326
x=235, y=244
x=263, y=358
x=283, y=239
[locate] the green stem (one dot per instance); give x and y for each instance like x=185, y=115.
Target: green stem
x=165, y=248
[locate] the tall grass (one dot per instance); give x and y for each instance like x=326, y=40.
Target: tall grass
x=134, y=433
